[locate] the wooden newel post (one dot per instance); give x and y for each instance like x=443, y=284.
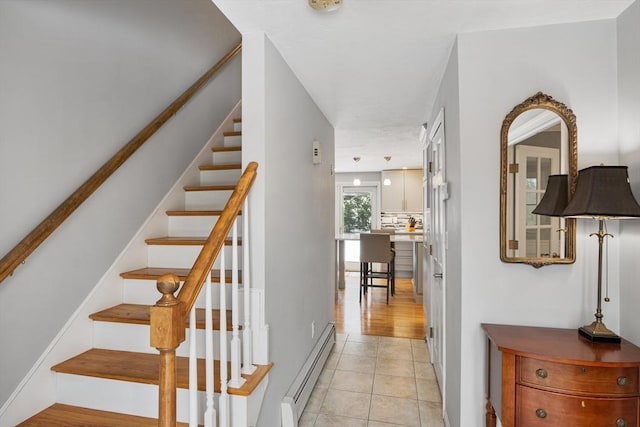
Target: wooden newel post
x=168, y=322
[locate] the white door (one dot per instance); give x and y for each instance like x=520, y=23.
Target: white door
x=436, y=187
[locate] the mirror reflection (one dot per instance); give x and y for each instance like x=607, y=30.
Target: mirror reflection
x=538, y=141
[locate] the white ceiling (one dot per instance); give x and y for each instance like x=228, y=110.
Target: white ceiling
x=374, y=66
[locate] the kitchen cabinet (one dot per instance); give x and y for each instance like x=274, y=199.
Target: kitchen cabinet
x=555, y=377
x=404, y=194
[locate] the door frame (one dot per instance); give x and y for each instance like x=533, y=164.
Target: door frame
x=436, y=133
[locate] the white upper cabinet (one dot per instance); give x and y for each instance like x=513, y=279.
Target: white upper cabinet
x=404, y=192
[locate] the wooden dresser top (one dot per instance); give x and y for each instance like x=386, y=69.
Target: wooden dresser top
x=560, y=345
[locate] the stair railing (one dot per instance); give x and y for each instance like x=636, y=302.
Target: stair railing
x=169, y=315
x=42, y=231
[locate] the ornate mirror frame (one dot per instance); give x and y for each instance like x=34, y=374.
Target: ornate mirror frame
x=539, y=101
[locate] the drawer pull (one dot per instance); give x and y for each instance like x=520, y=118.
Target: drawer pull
x=622, y=381
x=541, y=373
x=620, y=422
x=541, y=413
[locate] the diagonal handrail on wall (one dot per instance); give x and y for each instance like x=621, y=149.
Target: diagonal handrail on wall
x=42, y=231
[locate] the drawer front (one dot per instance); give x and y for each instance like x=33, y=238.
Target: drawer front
x=589, y=380
x=538, y=408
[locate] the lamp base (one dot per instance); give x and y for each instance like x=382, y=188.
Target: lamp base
x=597, y=332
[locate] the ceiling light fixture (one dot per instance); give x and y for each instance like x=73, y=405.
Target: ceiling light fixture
x=325, y=5
x=356, y=159
x=356, y=181
x=387, y=158
x=386, y=181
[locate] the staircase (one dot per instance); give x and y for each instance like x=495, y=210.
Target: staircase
x=116, y=382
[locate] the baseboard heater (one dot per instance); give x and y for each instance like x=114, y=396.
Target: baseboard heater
x=296, y=398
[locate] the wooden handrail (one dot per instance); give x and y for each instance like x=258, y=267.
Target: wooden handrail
x=168, y=316
x=22, y=250
x=202, y=267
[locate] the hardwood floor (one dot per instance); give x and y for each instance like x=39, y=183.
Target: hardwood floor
x=402, y=317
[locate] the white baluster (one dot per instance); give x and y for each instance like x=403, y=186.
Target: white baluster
x=210, y=413
x=193, y=371
x=236, y=380
x=247, y=338
x=223, y=401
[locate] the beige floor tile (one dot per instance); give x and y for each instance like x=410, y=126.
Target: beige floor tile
x=431, y=414
x=341, y=337
x=424, y=371
x=325, y=378
x=395, y=342
x=363, y=338
x=338, y=347
x=395, y=352
x=394, y=410
x=327, y=420
x=332, y=361
x=428, y=390
x=395, y=386
x=350, y=362
x=381, y=424
x=395, y=367
x=369, y=349
x=346, y=404
x=420, y=354
x=315, y=400
x=307, y=419
x=352, y=381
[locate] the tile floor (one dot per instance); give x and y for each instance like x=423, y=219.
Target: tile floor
x=371, y=381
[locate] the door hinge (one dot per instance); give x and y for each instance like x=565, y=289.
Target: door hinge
x=430, y=167
x=514, y=167
x=430, y=249
x=513, y=245
x=430, y=332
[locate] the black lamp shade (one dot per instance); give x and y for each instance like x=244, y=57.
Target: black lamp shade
x=603, y=192
x=555, y=198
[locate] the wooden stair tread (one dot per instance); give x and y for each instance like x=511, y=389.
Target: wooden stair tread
x=193, y=213
x=232, y=133
x=60, y=415
x=138, y=314
x=226, y=149
x=231, y=166
x=209, y=188
x=144, y=368
x=237, y=120
x=184, y=241
x=153, y=273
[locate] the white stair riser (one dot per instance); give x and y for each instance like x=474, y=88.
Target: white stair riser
x=175, y=256
x=130, y=337
x=220, y=177
x=145, y=292
x=202, y=200
x=227, y=157
x=190, y=226
x=233, y=141
x=237, y=126
x=121, y=396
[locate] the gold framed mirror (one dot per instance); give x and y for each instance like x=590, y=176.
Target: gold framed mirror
x=538, y=139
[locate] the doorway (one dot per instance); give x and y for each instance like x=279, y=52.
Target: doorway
x=359, y=212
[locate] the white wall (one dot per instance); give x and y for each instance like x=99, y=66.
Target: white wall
x=576, y=64
x=629, y=137
x=78, y=80
x=295, y=252
x=448, y=99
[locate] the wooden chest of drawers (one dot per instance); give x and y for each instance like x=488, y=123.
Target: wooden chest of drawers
x=554, y=377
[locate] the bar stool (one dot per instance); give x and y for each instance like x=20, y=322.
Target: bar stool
x=375, y=248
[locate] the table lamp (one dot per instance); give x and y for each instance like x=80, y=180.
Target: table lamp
x=602, y=193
